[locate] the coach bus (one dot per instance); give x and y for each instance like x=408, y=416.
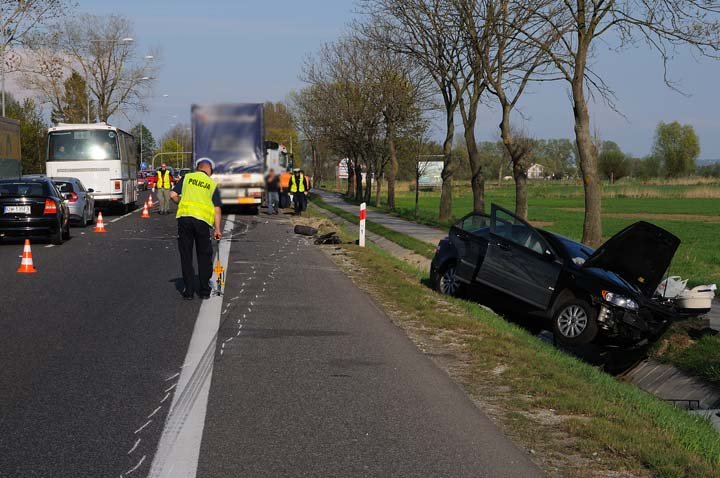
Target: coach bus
x=102, y=156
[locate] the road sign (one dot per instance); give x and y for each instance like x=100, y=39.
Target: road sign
x=342, y=169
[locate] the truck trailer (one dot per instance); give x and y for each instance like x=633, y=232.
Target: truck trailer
x=233, y=136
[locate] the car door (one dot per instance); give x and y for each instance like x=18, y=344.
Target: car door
x=469, y=236
x=519, y=261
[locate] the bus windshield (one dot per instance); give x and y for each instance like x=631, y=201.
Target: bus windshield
x=83, y=145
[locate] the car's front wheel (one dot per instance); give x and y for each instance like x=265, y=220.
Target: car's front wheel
x=446, y=281
x=574, y=323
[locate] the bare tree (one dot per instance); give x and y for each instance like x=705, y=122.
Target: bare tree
x=578, y=25
x=21, y=22
x=351, y=109
x=419, y=29
x=103, y=50
x=496, y=34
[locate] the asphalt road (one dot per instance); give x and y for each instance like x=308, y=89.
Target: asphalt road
x=304, y=377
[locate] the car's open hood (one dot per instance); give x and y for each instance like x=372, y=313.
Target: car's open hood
x=640, y=254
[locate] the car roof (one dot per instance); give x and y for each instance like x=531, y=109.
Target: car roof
x=66, y=179
x=27, y=178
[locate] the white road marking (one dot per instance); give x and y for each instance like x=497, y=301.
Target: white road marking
x=142, y=460
x=179, y=448
x=143, y=427
x=48, y=246
x=124, y=216
x=171, y=387
x=135, y=446
x=154, y=412
x=172, y=376
x=167, y=395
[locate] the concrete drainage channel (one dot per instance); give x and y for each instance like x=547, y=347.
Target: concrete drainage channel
x=661, y=380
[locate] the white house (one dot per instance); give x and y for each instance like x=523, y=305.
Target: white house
x=536, y=171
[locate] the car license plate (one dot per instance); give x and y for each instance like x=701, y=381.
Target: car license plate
x=17, y=209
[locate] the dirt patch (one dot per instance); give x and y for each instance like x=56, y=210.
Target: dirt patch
x=652, y=216
x=541, y=223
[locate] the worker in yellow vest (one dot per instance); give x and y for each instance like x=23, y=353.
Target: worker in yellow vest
x=164, y=185
x=299, y=188
x=199, y=210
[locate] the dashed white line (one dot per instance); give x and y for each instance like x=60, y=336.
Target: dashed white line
x=49, y=246
x=172, y=376
x=171, y=387
x=134, y=446
x=143, y=427
x=136, y=466
x=154, y=412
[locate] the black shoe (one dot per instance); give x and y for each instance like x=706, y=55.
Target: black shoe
x=187, y=295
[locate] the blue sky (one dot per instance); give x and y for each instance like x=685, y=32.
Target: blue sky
x=249, y=50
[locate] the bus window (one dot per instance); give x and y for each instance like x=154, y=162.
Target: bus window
x=83, y=145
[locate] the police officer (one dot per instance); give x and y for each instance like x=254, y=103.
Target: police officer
x=298, y=188
x=163, y=185
x=199, y=210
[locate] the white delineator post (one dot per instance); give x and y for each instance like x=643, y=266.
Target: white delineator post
x=363, y=214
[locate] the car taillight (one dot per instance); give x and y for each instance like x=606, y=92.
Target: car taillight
x=118, y=185
x=73, y=197
x=50, y=207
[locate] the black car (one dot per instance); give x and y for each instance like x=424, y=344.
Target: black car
x=33, y=207
x=589, y=295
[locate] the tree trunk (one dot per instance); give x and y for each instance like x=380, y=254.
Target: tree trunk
x=592, y=227
x=350, y=178
x=393, y=170
x=368, y=185
x=447, y=172
x=358, y=182
x=520, y=175
x=378, y=190
x=519, y=168
x=477, y=180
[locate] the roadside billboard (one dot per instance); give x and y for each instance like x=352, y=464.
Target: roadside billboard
x=430, y=174
x=10, y=159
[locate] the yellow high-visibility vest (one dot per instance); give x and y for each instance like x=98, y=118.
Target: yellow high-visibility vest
x=164, y=181
x=294, y=187
x=196, y=197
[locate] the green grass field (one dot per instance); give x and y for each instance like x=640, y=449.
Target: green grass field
x=689, y=210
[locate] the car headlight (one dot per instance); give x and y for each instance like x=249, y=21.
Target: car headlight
x=619, y=300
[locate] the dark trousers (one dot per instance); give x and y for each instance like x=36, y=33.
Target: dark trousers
x=300, y=202
x=194, y=232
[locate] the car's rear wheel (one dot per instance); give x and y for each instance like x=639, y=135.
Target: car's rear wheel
x=446, y=281
x=57, y=237
x=66, y=232
x=574, y=323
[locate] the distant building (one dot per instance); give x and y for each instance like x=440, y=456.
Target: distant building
x=536, y=171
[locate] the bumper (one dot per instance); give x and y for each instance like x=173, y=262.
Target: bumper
x=243, y=196
x=633, y=326
x=30, y=227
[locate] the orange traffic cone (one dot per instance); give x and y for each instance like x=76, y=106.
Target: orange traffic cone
x=149, y=202
x=145, y=213
x=26, y=265
x=100, y=225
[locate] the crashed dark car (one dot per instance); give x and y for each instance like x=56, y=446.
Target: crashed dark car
x=588, y=295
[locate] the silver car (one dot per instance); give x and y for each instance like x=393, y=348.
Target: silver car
x=81, y=203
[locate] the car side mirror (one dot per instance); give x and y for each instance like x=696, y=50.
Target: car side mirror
x=90, y=190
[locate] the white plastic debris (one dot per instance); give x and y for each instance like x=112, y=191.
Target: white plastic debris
x=671, y=287
x=699, y=297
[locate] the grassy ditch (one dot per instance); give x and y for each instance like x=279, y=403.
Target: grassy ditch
x=686, y=347
x=412, y=244
x=578, y=420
